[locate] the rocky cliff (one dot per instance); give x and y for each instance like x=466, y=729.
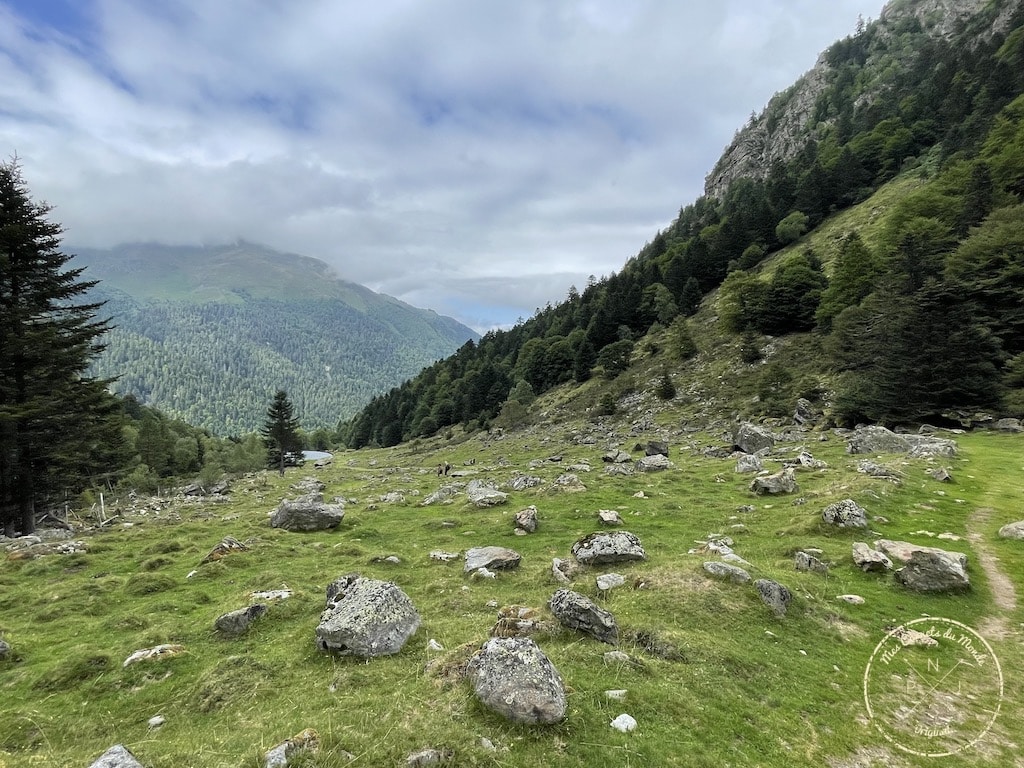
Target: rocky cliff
x=788, y=121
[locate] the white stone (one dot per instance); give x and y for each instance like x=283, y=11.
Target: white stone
x=624, y=723
x=618, y=694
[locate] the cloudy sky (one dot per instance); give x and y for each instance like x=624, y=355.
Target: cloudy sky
x=476, y=157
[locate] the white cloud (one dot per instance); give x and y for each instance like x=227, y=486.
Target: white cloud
x=476, y=158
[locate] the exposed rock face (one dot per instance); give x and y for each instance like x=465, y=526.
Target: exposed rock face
x=483, y=494
x=366, y=618
x=307, y=513
x=726, y=572
x=579, y=612
x=780, y=482
x=512, y=677
x=877, y=439
x=1012, y=530
x=845, y=514
x=608, y=547
x=934, y=571
x=238, y=622
x=751, y=438
x=868, y=559
x=774, y=595
x=117, y=756
x=495, y=558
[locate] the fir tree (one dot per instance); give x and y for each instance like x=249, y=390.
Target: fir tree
x=280, y=431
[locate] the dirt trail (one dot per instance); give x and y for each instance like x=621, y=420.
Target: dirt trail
x=1003, y=592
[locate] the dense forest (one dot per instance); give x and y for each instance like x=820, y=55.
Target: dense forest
x=923, y=318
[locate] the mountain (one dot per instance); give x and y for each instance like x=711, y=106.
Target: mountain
x=860, y=245
x=208, y=334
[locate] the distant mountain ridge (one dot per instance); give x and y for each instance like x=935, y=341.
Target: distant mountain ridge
x=208, y=333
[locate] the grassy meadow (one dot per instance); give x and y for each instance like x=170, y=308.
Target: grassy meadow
x=714, y=677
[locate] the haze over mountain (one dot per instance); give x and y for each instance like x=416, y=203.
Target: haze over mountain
x=207, y=334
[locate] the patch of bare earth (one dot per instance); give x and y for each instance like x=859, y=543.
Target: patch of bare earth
x=1003, y=592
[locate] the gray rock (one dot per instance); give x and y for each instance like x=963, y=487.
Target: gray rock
x=429, y=756
x=512, y=677
x=616, y=457
x=366, y=618
x=750, y=438
x=238, y=622
x=655, y=463
x=619, y=469
x=608, y=581
x=808, y=563
x=726, y=572
x=805, y=413
x=609, y=517
x=876, y=439
x=608, y=547
x=494, y=558
x=526, y=519
x=1012, y=530
x=933, y=571
x=783, y=481
x=845, y=514
x=851, y=599
x=1008, y=425
x=281, y=755
x=807, y=461
x=392, y=497
x=903, y=551
x=868, y=559
x=483, y=494
x=569, y=483
x=307, y=513
x=941, y=474
x=522, y=482
x=656, y=448
x=872, y=469
x=117, y=756
x=443, y=494
x=563, y=571
x=774, y=595
x=749, y=462
x=579, y=612
x=5, y=649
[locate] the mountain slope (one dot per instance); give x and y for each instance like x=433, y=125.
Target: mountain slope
x=208, y=334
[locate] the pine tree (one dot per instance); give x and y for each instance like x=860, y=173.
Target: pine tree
x=280, y=431
x=56, y=423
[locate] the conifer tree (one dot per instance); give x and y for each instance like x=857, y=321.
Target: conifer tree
x=280, y=431
x=57, y=424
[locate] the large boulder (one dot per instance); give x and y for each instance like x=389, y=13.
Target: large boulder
x=654, y=463
x=608, y=547
x=307, y=513
x=751, y=438
x=492, y=558
x=845, y=514
x=783, y=481
x=366, y=618
x=1008, y=425
x=656, y=448
x=512, y=677
x=579, y=612
x=1012, y=530
x=934, y=571
x=117, y=756
x=903, y=551
x=876, y=439
x=483, y=494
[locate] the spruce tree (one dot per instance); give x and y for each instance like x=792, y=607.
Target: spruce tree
x=57, y=424
x=280, y=431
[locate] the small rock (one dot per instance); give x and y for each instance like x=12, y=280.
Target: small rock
x=444, y=557
x=609, y=517
x=497, y=558
x=1012, y=530
x=624, y=723
x=607, y=581
x=726, y=572
x=427, y=757
x=774, y=595
x=781, y=482
x=618, y=694
x=809, y=563
x=280, y=756
x=483, y=573
x=238, y=622
x=617, y=657
x=579, y=612
x=156, y=721
x=118, y=756
x=845, y=514
x=941, y=474
x=851, y=599
x=433, y=645
x=608, y=547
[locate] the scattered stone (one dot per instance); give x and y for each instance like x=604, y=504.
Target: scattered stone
x=783, y=481
x=618, y=694
x=272, y=594
x=308, y=485
x=392, y=497
x=608, y=581
x=444, y=557
x=366, y=618
x=522, y=482
x=774, y=595
x=941, y=474
x=655, y=463
x=281, y=755
x=118, y=756
x=158, y=652
x=442, y=495
x=156, y=721
x=608, y=547
x=903, y=551
x=526, y=519
x=617, y=657
x=430, y=756
x=520, y=621
x=226, y=546
x=851, y=599
x=624, y=723
x=868, y=559
x=616, y=457
x=732, y=557
x=569, y=483
x=483, y=573
x=512, y=677
x=872, y=469
x=579, y=612
x=845, y=514
x=1012, y=530
x=750, y=438
x=307, y=513
x=237, y=622
x=933, y=572
x=496, y=558
x=910, y=637
x=877, y=439
x=749, y=462
x=564, y=571
x=810, y=564
x=483, y=494
x=807, y=461
x=619, y=469
x=609, y=517
x=656, y=448
x=433, y=645
x=726, y=572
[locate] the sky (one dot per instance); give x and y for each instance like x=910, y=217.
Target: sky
x=474, y=157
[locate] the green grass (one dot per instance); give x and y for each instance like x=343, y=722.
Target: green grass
x=718, y=679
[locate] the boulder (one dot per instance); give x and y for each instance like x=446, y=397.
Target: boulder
x=307, y=513
x=726, y=572
x=512, y=677
x=783, y=481
x=903, y=551
x=607, y=581
x=774, y=595
x=751, y=438
x=281, y=755
x=868, y=559
x=494, y=558
x=804, y=413
x=5, y=650
x=876, y=439
x=749, y=462
x=117, y=756
x=366, y=618
x=526, y=519
x=608, y=547
x=483, y=494
x=616, y=457
x=1008, y=425
x=522, y=482
x=656, y=448
x=934, y=571
x=579, y=612
x=569, y=483
x=1012, y=530
x=609, y=517
x=808, y=563
x=655, y=463
x=238, y=622
x=845, y=514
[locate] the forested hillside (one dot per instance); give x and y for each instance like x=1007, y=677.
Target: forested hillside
x=913, y=311
x=209, y=334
